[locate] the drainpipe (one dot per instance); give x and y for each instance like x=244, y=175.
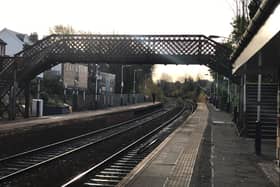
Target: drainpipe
x=12, y=95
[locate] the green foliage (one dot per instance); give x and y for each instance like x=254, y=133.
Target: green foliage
x=53, y=86
x=66, y=29
x=51, y=91
x=151, y=87
x=239, y=25
x=45, y=96
x=189, y=89
x=56, y=101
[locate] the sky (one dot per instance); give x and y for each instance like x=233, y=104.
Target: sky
x=208, y=17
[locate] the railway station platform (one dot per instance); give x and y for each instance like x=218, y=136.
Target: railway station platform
x=112, y=113
x=205, y=151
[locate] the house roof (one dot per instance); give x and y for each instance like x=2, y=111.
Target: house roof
x=24, y=38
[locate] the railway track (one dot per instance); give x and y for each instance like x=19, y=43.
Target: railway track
x=14, y=165
x=111, y=170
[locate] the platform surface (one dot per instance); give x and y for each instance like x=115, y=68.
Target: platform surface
x=206, y=151
x=35, y=121
x=172, y=162
x=233, y=158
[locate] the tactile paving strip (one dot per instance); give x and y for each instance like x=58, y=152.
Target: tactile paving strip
x=182, y=172
x=173, y=163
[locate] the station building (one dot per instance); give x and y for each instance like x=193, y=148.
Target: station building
x=256, y=62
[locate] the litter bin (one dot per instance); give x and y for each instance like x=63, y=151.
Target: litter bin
x=37, y=107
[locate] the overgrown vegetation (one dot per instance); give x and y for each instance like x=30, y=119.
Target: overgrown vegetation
x=244, y=11
x=189, y=89
x=51, y=91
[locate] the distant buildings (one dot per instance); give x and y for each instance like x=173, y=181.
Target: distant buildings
x=15, y=41
x=75, y=75
x=106, y=82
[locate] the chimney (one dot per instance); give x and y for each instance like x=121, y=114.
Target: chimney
x=33, y=37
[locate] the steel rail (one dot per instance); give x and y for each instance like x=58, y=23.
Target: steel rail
x=79, y=177
x=76, y=137
x=59, y=155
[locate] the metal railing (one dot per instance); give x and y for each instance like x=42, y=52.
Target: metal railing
x=104, y=101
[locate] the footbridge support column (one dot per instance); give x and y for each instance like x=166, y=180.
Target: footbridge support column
x=12, y=96
x=27, y=99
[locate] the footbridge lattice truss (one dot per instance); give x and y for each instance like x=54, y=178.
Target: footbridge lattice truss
x=112, y=49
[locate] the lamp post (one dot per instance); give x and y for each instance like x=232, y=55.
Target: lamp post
x=134, y=81
x=76, y=93
x=217, y=91
x=228, y=94
x=64, y=92
x=38, y=87
x=96, y=80
x=122, y=82
x=76, y=87
x=61, y=80
x=96, y=83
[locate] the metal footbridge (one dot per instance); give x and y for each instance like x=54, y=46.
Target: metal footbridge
x=16, y=72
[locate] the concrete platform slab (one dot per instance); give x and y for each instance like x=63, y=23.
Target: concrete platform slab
x=172, y=163
x=30, y=123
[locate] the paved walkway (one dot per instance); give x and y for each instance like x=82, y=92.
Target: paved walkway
x=58, y=119
x=172, y=163
x=233, y=159
x=206, y=151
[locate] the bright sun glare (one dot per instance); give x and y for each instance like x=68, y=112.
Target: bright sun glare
x=180, y=72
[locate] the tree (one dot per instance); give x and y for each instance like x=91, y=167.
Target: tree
x=166, y=77
x=240, y=22
x=61, y=29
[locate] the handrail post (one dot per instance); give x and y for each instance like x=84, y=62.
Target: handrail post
x=13, y=90
x=27, y=99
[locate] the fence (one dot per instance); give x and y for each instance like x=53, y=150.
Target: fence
x=108, y=100
x=104, y=101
